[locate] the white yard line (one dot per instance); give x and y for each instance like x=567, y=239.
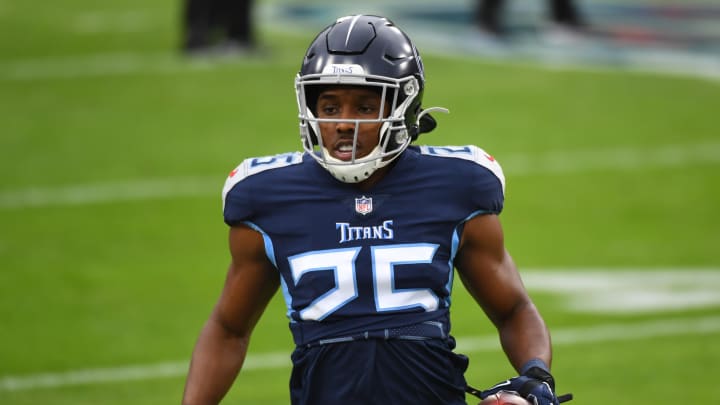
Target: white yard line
x=82, y=194
x=617, y=158
x=607, y=333
x=128, y=373
x=98, y=65
x=628, y=290
x=275, y=360
x=559, y=162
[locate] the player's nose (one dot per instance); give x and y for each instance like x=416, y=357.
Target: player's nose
x=347, y=123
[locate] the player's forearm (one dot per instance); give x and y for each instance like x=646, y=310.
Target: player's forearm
x=525, y=336
x=216, y=361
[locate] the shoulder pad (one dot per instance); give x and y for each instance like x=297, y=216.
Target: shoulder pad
x=253, y=166
x=468, y=152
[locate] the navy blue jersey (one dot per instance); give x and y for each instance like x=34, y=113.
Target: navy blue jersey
x=376, y=263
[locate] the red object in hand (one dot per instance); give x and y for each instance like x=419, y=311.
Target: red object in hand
x=504, y=398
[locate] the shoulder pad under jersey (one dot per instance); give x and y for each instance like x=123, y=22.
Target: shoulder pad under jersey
x=468, y=152
x=253, y=166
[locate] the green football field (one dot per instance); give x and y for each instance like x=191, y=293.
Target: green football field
x=114, y=150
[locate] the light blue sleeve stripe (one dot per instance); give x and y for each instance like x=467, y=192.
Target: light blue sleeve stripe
x=270, y=253
x=269, y=249
x=454, y=248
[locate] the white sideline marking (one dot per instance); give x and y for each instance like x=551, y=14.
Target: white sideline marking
x=607, y=333
x=569, y=161
x=274, y=360
x=98, y=65
x=111, y=192
x=620, y=158
x=629, y=290
x=128, y=373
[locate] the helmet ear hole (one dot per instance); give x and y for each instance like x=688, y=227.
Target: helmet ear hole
x=427, y=124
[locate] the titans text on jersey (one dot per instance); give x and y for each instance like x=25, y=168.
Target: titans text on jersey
x=352, y=262
x=349, y=232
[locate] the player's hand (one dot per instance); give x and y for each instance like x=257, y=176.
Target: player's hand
x=536, y=385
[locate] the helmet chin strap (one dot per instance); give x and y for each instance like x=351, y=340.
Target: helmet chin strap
x=353, y=172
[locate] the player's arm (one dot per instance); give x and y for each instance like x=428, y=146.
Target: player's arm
x=489, y=274
x=221, y=348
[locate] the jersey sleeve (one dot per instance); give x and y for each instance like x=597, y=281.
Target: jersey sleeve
x=237, y=205
x=489, y=183
x=479, y=175
x=238, y=202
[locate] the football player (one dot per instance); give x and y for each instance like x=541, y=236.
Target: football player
x=361, y=231
x=219, y=27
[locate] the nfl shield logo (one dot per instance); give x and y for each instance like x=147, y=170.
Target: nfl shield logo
x=363, y=205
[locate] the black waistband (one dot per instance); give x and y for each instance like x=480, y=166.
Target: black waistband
x=417, y=325
x=424, y=331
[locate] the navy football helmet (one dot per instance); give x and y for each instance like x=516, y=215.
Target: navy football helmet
x=364, y=50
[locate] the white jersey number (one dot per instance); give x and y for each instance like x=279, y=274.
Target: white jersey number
x=341, y=262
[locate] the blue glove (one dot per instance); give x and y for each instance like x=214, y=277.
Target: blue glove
x=535, y=384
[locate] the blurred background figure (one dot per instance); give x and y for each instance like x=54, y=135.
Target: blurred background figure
x=565, y=16
x=218, y=27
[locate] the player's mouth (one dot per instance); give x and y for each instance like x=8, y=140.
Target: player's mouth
x=344, y=151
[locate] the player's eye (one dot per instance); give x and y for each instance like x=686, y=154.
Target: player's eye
x=329, y=109
x=367, y=109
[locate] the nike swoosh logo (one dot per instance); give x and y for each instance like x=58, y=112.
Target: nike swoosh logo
x=502, y=384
